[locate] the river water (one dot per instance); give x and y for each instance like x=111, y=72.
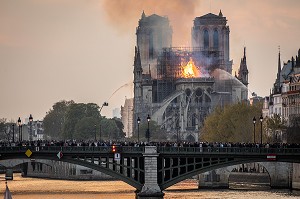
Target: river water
x=35, y=188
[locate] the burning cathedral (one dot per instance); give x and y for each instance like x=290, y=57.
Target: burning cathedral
x=179, y=86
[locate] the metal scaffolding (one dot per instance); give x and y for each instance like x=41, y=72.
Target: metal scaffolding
x=169, y=64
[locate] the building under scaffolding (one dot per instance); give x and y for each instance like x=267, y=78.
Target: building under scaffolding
x=179, y=87
x=170, y=64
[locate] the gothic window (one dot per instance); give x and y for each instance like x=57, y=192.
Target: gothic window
x=206, y=38
x=188, y=92
x=199, y=92
x=194, y=119
x=216, y=39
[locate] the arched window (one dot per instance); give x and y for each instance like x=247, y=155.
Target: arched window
x=206, y=38
x=216, y=39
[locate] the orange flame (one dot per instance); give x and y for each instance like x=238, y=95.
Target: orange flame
x=190, y=70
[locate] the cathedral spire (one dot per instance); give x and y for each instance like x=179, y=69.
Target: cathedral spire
x=220, y=13
x=277, y=84
x=243, y=70
x=143, y=15
x=279, y=67
x=137, y=60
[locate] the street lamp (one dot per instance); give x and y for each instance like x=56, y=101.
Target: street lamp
x=13, y=128
x=261, y=119
x=95, y=132
x=19, y=124
x=148, y=130
x=21, y=132
x=30, y=123
x=178, y=135
x=138, y=123
x=254, y=121
x=100, y=132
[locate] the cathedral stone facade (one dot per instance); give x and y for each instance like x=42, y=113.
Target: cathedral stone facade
x=179, y=86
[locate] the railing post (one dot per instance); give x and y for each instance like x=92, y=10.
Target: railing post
x=150, y=188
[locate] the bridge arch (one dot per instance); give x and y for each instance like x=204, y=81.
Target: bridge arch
x=254, y=171
x=11, y=162
x=206, y=169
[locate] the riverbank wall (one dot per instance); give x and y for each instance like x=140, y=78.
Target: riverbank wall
x=62, y=170
x=296, y=176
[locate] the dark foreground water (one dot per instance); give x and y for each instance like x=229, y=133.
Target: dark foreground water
x=34, y=188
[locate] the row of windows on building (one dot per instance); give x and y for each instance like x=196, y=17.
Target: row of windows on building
x=215, y=39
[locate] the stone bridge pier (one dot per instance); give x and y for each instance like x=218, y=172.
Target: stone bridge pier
x=150, y=189
x=280, y=174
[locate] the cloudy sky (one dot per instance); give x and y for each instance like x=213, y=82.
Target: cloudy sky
x=52, y=50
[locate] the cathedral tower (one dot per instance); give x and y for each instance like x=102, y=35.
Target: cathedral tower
x=210, y=33
x=153, y=33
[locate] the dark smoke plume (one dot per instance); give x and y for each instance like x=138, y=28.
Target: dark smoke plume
x=124, y=15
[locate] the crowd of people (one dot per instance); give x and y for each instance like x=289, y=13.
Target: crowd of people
x=93, y=143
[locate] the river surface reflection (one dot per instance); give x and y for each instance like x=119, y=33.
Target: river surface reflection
x=35, y=188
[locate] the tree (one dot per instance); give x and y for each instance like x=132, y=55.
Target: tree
x=6, y=130
x=275, y=126
x=293, y=131
x=74, y=114
x=120, y=126
x=111, y=129
x=3, y=129
x=156, y=134
x=86, y=128
x=55, y=118
x=233, y=123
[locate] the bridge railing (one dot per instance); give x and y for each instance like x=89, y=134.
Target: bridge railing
x=167, y=150
x=227, y=150
x=73, y=149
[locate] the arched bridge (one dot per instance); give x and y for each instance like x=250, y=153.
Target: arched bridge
x=152, y=169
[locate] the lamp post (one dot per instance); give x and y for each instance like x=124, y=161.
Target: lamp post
x=21, y=132
x=19, y=124
x=254, y=121
x=261, y=119
x=177, y=128
x=100, y=132
x=148, y=130
x=30, y=123
x=138, y=123
x=13, y=129
x=95, y=132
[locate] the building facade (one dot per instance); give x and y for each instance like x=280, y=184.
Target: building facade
x=127, y=117
x=179, y=86
x=284, y=99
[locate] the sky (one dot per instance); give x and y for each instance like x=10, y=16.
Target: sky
x=53, y=50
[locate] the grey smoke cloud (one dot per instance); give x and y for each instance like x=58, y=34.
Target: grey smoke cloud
x=124, y=15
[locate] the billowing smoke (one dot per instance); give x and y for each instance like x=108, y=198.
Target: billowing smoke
x=124, y=15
